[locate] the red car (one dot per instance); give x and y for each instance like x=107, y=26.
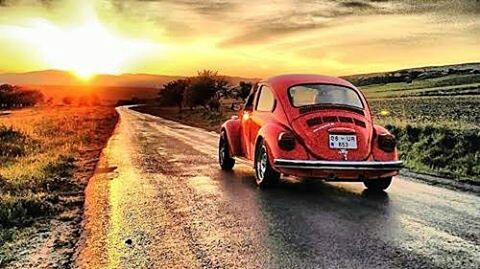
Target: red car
x=309, y=126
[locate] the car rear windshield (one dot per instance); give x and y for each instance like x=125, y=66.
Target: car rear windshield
x=323, y=94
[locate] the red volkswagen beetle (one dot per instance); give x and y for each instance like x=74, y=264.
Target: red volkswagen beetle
x=309, y=126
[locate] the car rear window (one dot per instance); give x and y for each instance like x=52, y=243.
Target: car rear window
x=318, y=94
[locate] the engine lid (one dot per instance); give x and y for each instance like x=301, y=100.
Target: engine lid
x=335, y=135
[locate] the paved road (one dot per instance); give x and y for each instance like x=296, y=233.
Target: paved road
x=159, y=200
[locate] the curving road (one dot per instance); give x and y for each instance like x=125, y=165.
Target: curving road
x=159, y=200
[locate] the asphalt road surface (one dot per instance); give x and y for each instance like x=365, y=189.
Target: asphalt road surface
x=159, y=200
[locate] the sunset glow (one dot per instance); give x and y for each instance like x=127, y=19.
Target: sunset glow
x=244, y=38
x=85, y=49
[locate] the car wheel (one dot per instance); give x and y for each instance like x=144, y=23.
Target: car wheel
x=224, y=159
x=264, y=174
x=378, y=184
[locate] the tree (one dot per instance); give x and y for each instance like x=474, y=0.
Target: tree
x=14, y=96
x=207, y=85
x=214, y=104
x=204, y=90
x=173, y=93
x=244, y=89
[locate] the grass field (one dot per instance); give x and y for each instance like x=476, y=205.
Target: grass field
x=46, y=156
x=446, y=85
x=452, y=111
x=436, y=135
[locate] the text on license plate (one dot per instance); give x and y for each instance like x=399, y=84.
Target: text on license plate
x=342, y=141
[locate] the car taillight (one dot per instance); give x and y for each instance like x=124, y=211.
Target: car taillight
x=387, y=142
x=286, y=141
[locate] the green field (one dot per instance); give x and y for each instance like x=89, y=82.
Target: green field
x=396, y=89
x=436, y=121
x=451, y=111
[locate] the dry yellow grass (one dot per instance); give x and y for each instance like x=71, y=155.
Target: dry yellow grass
x=47, y=153
x=56, y=131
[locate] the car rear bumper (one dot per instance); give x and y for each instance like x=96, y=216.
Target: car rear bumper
x=338, y=165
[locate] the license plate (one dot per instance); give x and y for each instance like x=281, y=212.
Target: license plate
x=342, y=141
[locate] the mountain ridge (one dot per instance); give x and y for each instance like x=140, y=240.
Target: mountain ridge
x=65, y=78
x=52, y=77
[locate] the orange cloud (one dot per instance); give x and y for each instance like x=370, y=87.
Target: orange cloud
x=255, y=38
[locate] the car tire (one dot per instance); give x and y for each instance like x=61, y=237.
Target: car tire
x=265, y=175
x=224, y=159
x=378, y=184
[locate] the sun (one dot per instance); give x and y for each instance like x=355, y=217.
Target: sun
x=86, y=49
x=90, y=49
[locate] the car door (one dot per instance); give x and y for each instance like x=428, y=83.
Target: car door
x=264, y=106
x=246, y=122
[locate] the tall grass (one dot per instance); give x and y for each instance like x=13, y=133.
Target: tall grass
x=39, y=151
x=438, y=136
x=440, y=150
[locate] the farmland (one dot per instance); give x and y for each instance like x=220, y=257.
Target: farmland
x=435, y=135
x=445, y=85
x=436, y=122
x=455, y=112
x=46, y=157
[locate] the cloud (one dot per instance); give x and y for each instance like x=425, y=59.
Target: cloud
x=308, y=34
x=266, y=30
x=303, y=16
x=6, y=3
x=211, y=7
x=356, y=4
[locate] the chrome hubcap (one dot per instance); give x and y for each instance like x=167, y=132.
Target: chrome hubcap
x=262, y=165
x=222, y=151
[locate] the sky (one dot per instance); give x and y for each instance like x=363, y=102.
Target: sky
x=236, y=37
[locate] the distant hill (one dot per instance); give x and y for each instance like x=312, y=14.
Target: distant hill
x=62, y=78
x=410, y=74
x=58, y=84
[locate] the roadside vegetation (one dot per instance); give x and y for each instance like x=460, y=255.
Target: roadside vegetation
x=46, y=156
x=436, y=121
x=438, y=136
x=205, y=100
x=434, y=115
x=14, y=96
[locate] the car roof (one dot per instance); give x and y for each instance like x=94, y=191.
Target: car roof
x=286, y=81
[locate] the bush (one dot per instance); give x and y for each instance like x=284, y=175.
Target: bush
x=12, y=143
x=441, y=150
x=13, y=96
x=173, y=92
x=20, y=210
x=203, y=90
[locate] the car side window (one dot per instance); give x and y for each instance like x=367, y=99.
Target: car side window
x=266, y=100
x=250, y=99
x=249, y=102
